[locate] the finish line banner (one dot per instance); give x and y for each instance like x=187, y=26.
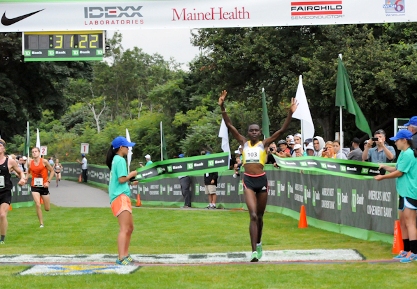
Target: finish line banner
x=192, y=166
x=335, y=167
x=54, y=15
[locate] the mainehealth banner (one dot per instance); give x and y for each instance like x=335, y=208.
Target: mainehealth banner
x=29, y=15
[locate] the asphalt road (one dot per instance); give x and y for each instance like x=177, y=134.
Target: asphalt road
x=74, y=194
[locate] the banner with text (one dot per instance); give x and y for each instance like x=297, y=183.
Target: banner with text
x=54, y=15
x=358, y=202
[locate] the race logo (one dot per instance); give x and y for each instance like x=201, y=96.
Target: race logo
x=316, y=9
x=112, y=12
x=113, y=15
x=394, y=7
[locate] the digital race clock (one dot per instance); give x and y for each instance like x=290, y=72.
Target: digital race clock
x=63, y=46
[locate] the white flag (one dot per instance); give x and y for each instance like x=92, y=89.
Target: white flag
x=130, y=153
x=224, y=134
x=303, y=112
x=38, y=140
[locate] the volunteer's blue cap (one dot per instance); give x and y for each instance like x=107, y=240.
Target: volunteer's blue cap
x=181, y=155
x=83, y=155
x=121, y=141
x=413, y=121
x=402, y=134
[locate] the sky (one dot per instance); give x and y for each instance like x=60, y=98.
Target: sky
x=167, y=42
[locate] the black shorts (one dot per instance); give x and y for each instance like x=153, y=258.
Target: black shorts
x=406, y=202
x=41, y=190
x=258, y=184
x=6, y=197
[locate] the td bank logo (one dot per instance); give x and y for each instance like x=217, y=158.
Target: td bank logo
x=169, y=169
x=210, y=163
x=190, y=166
x=365, y=171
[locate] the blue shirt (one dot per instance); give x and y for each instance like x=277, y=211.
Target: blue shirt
x=376, y=156
x=118, y=169
x=406, y=185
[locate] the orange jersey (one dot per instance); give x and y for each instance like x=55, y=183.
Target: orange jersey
x=39, y=171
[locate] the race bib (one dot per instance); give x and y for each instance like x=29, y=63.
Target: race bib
x=2, y=184
x=38, y=182
x=253, y=155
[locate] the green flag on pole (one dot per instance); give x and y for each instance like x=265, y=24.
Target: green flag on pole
x=344, y=98
x=265, y=118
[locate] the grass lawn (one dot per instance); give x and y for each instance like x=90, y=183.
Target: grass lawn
x=161, y=230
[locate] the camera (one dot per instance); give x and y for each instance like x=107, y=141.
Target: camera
x=375, y=139
x=271, y=149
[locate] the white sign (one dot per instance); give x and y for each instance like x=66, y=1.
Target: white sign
x=44, y=150
x=30, y=15
x=84, y=148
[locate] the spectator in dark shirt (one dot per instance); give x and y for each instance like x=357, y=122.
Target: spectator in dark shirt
x=356, y=153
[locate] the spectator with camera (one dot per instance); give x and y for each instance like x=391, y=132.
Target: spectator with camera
x=272, y=150
x=381, y=152
x=328, y=151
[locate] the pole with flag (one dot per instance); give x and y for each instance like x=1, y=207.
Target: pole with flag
x=130, y=152
x=344, y=98
x=27, y=141
x=265, y=119
x=38, y=140
x=303, y=112
x=164, y=154
x=224, y=134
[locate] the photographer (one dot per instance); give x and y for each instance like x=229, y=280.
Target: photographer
x=381, y=153
x=272, y=150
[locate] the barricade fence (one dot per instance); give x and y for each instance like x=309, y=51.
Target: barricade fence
x=352, y=205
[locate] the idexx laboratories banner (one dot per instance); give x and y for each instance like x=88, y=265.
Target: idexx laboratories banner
x=29, y=15
x=351, y=201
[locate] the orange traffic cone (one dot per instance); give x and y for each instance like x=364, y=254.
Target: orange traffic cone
x=80, y=179
x=138, y=202
x=41, y=201
x=397, y=244
x=10, y=207
x=303, y=218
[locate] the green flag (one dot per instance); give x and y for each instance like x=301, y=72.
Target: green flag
x=164, y=155
x=265, y=118
x=344, y=98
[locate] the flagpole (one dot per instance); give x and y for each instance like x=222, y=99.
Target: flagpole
x=340, y=122
x=160, y=132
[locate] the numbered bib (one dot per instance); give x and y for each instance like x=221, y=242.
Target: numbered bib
x=38, y=182
x=253, y=155
x=2, y=184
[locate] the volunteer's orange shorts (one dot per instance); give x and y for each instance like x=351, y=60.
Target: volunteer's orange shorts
x=120, y=204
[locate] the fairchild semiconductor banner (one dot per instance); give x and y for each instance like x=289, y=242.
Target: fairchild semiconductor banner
x=29, y=15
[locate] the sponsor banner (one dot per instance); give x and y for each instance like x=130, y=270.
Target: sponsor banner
x=343, y=199
x=350, y=169
x=191, y=166
x=40, y=15
x=21, y=195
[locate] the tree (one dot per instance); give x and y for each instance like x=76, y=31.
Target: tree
x=26, y=89
x=243, y=60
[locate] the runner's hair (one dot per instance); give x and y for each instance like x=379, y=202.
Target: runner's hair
x=110, y=155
